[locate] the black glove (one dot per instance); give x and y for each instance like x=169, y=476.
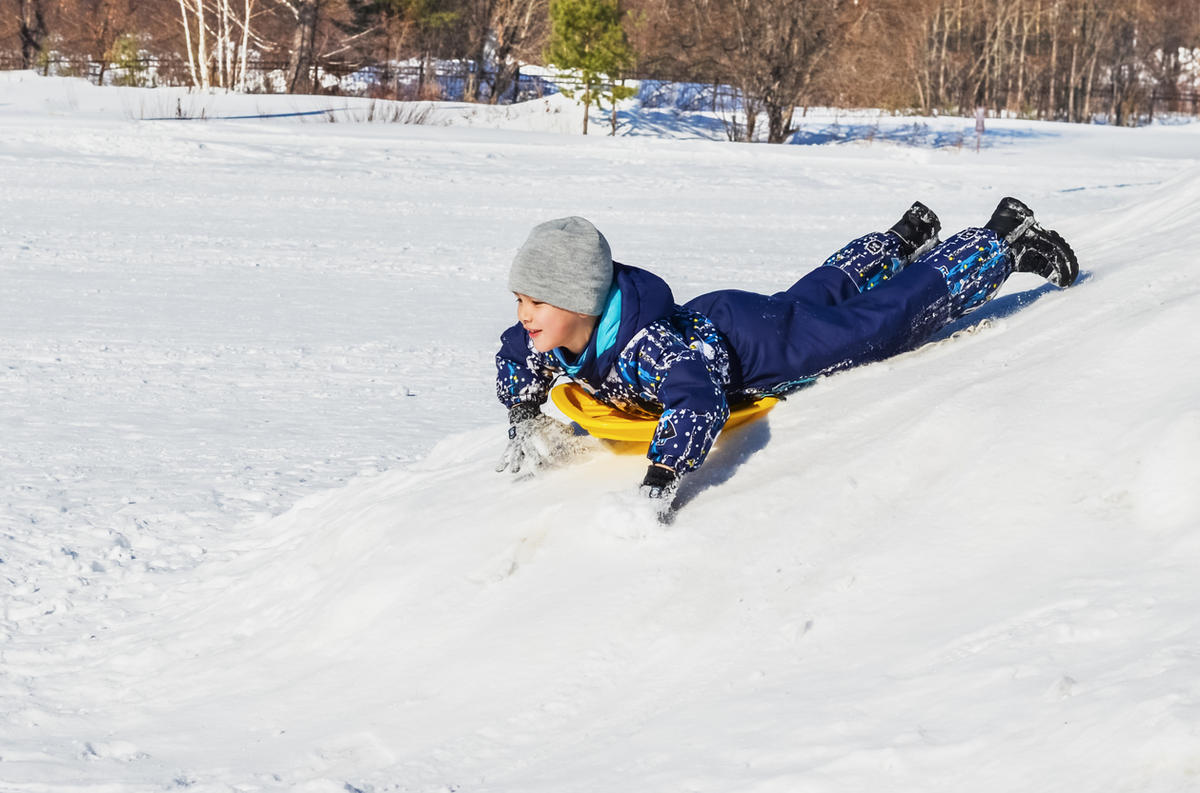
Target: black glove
x=534, y=439
x=660, y=482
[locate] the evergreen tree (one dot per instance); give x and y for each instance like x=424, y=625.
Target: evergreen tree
x=586, y=37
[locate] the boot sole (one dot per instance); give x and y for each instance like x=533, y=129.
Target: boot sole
x=1065, y=272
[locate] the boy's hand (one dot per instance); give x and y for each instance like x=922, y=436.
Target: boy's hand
x=534, y=440
x=660, y=482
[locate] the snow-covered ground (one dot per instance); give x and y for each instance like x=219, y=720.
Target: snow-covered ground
x=251, y=539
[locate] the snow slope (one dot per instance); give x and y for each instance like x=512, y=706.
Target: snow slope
x=251, y=538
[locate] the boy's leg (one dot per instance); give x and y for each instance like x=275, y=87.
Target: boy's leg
x=974, y=263
x=950, y=280
x=813, y=340
x=957, y=276
x=869, y=260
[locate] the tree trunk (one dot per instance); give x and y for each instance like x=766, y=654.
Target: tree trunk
x=103, y=46
x=475, y=68
x=1020, y=103
x=202, y=45
x=187, y=40
x=941, y=88
x=1074, y=75
x=33, y=32
x=751, y=108
x=300, y=60
x=1115, y=107
x=222, y=32
x=479, y=25
x=241, y=83
x=779, y=122
x=1052, y=100
x=508, y=76
x=1087, y=91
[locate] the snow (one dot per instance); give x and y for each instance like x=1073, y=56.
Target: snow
x=251, y=537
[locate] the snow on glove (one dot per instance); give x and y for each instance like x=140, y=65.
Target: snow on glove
x=660, y=482
x=535, y=440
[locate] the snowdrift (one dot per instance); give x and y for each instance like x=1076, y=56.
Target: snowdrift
x=661, y=116
x=76, y=96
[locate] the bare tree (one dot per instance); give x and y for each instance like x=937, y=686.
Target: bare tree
x=519, y=30
x=101, y=24
x=492, y=34
x=217, y=35
x=32, y=31
x=1170, y=32
x=772, y=50
x=302, y=52
x=192, y=15
x=888, y=61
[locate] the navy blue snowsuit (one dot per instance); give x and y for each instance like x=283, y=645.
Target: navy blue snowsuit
x=687, y=364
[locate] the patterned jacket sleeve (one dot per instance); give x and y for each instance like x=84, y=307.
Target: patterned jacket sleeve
x=694, y=404
x=522, y=373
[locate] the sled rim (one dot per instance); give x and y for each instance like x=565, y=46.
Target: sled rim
x=602, y=421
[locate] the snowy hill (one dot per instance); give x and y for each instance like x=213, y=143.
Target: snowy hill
x=251, y=538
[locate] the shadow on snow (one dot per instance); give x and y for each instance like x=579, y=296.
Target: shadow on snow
x=944, y=133
x=918, y=134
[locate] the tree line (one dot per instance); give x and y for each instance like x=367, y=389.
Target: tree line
x=1072, y=60
x=217, y=43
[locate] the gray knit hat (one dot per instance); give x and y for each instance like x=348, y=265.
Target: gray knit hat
x=565, y=262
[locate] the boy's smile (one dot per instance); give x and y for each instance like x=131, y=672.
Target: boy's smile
x=550, y=326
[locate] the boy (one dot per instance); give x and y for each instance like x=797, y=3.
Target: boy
x=617, y=331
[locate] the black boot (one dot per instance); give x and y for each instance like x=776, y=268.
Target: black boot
x=1034, y=249
x=1048, y=254
x=1010, y=220
x=918, y=230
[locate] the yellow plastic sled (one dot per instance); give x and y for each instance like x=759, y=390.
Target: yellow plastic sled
x=626, y=433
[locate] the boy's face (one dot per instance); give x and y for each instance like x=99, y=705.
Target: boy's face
x=550, y=326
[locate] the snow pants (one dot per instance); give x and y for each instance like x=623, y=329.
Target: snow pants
x=864, y=304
